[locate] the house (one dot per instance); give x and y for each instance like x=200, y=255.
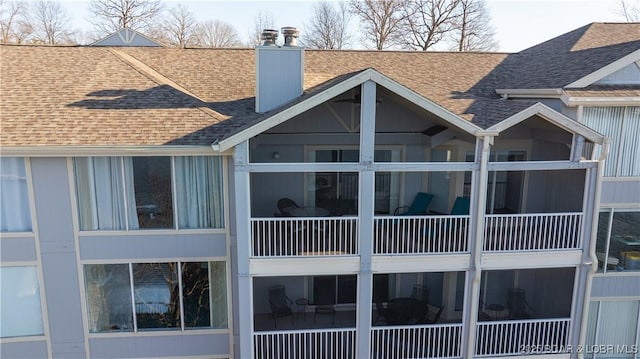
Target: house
x=279, y=202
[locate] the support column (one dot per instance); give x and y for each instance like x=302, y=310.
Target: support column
x=365, y=212
x=245, y=285
x=477, y=211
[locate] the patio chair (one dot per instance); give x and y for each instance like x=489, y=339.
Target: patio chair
x=419, y=205
x=325, y=305
x=280, y=304
x=517, y=304
x=381, y=311
x=284, y=205
x=461, y=206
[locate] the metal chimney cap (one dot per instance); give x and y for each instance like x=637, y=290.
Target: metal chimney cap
x=291, y=35
x=268, y=37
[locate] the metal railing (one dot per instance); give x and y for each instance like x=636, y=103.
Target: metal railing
x=280, y=237
x=518, y=337
x=532, y=231
x=424, y=341
x=305, y=344
x=421, y=234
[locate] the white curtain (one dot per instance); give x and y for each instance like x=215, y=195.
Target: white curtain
x=199, y=192
x=630, y=149
x=15, y=215
x=607, y=121
x=20, y=313
x=105, y=193
x=218, y=292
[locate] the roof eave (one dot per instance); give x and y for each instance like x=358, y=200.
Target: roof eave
x=337, y=89
x=600, y=101
x=124, y=150
x=606, y=70
x=552, y=116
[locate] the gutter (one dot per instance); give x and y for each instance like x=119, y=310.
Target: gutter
x=530, y=93
x=592, y=245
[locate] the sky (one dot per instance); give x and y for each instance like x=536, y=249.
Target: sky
x=518, y=24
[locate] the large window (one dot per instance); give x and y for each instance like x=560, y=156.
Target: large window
x=20, y=312
x=120, y=193
x=15, y=215
x=618, y=240
x=151, y=296
x=622, y=125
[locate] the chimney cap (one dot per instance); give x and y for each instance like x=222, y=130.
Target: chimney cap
x=291, y=35
x=268, y=37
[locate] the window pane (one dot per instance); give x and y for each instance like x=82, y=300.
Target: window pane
x=104, y=190
x=15, y=215
x=617, y=325
x=154, y=202
x=196, y=297
x=156, y=295
x=601, y=242
x=108, y=297
x=625, y=238
x=607, y=121
x=218, y=285
x=20, y=313
x=347, y=288
x=199, y=187
x=630, y=149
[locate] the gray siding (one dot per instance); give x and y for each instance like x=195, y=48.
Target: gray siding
x=24, y=350
x=59, y=265
x=152, y=246
x=159, y=346
x=17, y=249
x=616, y=286
x=620, y=192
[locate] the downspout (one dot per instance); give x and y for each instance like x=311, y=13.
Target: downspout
x=592, y=244
x=480, y=208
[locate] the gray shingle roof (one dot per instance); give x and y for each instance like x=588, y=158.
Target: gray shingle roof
x=60, y=96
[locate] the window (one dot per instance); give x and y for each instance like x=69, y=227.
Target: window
x=622, y=124
x=618, y=240
x=15, y=214
x=152, y=296
x=341, y=289
x=20, y=313
x=120, y=193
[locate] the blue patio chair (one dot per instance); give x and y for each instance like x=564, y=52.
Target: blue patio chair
x=461, y=206
x=419, y=205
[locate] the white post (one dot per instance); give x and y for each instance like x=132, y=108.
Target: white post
x=365, y=211
x=243, y=214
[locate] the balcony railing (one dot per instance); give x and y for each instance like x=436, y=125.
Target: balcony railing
x=517, y=337
x=532, y=232
x=283, y=237
x=308, y=344
x=421, y=234
x=425, y=341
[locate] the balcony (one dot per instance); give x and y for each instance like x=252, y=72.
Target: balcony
x=532, y=232
x=420, y=341
x=522, y=337
x=294, y=237
x=421, y=234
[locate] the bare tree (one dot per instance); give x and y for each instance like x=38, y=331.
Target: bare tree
x=216, y=33
x=328, y=27
x=50, y=22
x=112, y=15
x=380, y=20
x=263, y=20
x=629, y=10
x=14, y=24
x=180, y=27
x=427, y=22
x=473, y=31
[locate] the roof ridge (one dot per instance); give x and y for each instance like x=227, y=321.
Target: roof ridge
x=160, y=79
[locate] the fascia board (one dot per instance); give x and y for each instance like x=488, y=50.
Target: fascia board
x=553, y=116
x=81, y=151
x=600, y=101
x=607, y=70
